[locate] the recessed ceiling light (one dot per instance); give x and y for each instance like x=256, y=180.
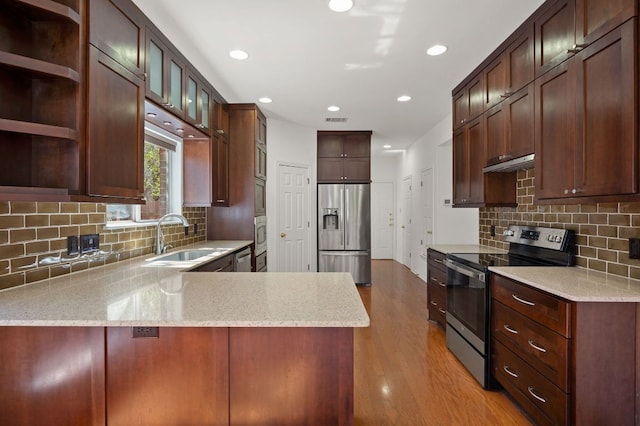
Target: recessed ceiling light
x=386, y=146
x=436, y=50
x=265, y=100
x=334, y=108
x=404, y=98
x=167, y=123
x=340, y=5
x=180, y=129
x=240, y=55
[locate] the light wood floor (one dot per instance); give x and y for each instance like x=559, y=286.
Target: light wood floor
x=404, y=373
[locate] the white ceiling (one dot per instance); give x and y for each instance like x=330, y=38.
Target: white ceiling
x=306, y=57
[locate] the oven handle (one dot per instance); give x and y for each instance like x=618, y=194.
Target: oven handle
x=480, y=276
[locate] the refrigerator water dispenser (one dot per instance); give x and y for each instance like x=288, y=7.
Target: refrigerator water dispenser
x=330, y=219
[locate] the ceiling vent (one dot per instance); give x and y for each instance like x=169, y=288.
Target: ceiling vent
x=335, y=120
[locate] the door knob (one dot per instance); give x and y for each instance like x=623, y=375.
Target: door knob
x=429, y=232
x=282, y=235
x=402, y=227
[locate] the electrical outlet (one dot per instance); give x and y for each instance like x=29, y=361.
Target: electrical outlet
x=145, y=332
x=89, y=242
x=634, y=248
x=492, y=230
x=195, y=228
x=72, y=244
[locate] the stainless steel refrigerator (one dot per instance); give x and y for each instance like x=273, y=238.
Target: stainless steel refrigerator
x=344, y=230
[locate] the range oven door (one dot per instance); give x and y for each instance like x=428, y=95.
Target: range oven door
x=467, y=310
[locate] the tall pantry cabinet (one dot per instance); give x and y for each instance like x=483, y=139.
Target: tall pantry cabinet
x=247, y=179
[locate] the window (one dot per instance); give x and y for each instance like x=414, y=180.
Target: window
x=162, y=181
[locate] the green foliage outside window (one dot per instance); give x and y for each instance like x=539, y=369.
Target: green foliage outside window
x=152, y=171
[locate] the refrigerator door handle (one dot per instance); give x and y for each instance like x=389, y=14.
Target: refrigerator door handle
x=342, y=211
x=344, y=253
x=346, y=217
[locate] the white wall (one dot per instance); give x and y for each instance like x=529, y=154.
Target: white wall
x=295, y=145
x=451, y=226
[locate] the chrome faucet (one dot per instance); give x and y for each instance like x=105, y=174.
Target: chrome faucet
x=160, y=247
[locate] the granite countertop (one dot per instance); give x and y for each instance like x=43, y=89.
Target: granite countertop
x=575, y=283
x=137, y=292
x=464, y=248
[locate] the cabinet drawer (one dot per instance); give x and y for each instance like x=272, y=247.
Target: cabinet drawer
x=436, y=260
x=437, y=304
x=543, y=308
x=540, y=398
x=541, y=348
x=437, y=276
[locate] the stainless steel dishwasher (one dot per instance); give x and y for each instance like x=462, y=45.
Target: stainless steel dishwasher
x=243, y=260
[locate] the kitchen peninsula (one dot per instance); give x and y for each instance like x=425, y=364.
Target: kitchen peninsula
x=231, y=348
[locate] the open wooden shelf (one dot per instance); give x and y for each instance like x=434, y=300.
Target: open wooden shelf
x=37, y=129
x=51, y=9
x=36, y=66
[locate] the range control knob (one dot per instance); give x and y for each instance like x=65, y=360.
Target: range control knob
x=558, y=239
x=550, y=238
x=508, y=233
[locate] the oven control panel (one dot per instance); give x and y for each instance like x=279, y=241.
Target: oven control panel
x=552, y=238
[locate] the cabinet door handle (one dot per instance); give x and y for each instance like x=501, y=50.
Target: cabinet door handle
x=441, y=284
x=526, y=302
x=219, y=269
x=434, y=279
x=442, y=311
x=433, y=303
x=509, y=372
x=576, y=48
x=509, y=329
x=220, y=201
x=438, y=261
x=534, y=394
x=537, y=347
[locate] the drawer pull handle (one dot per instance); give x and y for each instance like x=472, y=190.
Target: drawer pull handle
x=438, y=261
x=434, y=279
x=442, y=311
x=441, y=284
x=535, y=346
x=509, y=372
x=434, y=303
x=526, y=302
x=510, y=330
x=535, y=395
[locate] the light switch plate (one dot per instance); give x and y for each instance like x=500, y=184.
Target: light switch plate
x=72, y=244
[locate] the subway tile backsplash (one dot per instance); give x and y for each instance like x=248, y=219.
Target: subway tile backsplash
x=33, y=235
x=602, y=230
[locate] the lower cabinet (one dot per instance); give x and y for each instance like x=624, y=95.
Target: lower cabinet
x=564, y=362
x=437, y=287
x=261, y=262
x=180, y=377
x=52, y=375
x=184, y=376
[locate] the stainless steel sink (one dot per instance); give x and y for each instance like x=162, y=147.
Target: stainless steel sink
x=184, y=256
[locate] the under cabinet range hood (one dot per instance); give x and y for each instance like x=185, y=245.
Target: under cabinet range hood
x=520, y=163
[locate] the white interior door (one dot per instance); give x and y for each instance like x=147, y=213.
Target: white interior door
x=382, y=220
x=427, y=209
x=293, y=219
x=406, y=221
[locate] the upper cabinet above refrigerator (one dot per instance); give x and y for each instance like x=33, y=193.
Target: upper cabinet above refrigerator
x=344, y=157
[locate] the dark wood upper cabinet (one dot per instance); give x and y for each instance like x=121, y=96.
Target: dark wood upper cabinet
x=519, y=119
x=165, y=72
x=519, y=59
x=472, y=187
x=596, y=18
x=221, y=118
x=220, y=171
x=117, y=28
x=586, y=121
x=468, y=102
x=495, y=82
x=555, y=35
x=197, y=157
x=115, y=134
x=344, y=157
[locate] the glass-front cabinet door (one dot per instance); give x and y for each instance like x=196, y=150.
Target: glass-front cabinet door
x=192, y=100
x=156, y=88
x=206, y=113
x=176, y=87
